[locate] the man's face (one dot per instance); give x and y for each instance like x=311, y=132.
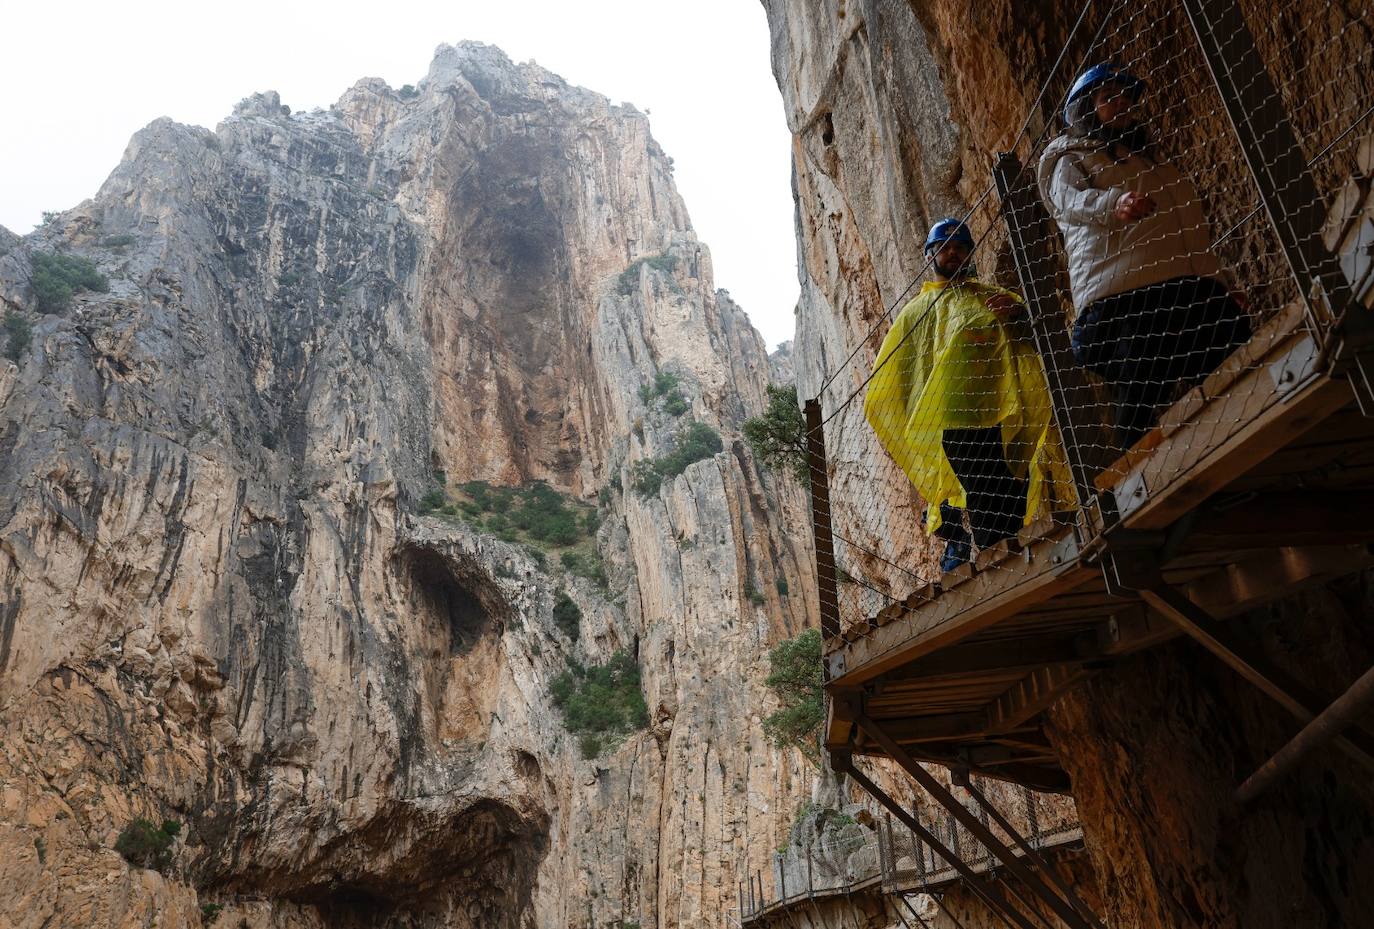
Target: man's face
x=1114, y=107
x=952, y=260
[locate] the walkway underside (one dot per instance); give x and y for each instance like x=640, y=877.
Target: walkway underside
x=1255, y=484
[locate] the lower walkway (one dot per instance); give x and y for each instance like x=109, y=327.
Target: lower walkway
x=871, y=876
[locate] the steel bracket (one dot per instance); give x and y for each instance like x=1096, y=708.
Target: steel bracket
x=1066, y=550
x=835, y=662
x=1130, y=494
x=1297, y=366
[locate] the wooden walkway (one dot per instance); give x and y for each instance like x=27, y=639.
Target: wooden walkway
x=1255, y=484
x=889, y=880
x=1235, y=499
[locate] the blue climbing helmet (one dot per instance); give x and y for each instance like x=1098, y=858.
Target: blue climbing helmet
x=946, y=230
x=1094, y=78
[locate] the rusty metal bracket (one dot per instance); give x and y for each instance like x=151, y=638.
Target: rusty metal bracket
x=962, y=779
x=990, y=895
x=1246, y=660
x=1010, y=860
x=1342, y=713
x=826, y=579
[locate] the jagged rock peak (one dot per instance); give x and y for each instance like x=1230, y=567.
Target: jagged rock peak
x=242, y=585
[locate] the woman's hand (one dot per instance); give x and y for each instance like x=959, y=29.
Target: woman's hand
x=1132, y=207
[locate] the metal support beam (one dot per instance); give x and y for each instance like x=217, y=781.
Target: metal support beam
x=995, y=846
x=820, y=520
x=1286, y=187
x=1045, y=868
x=1342, y=713
x=1029, y=232
x=993, y=897
x=1247, y=661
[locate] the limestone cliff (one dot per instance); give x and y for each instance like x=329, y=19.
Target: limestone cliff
x=222, y=604
x=897, y=109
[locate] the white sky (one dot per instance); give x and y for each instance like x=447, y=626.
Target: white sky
x=81, y=77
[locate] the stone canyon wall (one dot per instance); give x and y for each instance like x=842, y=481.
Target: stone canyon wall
x=223, y=603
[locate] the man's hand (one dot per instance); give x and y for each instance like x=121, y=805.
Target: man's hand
x=1005, y=307
x=1133, y=207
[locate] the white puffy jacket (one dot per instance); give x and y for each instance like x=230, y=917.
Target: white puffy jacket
x=1081, y=184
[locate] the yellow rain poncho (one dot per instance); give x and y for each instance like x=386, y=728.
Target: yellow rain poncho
x=950, y=362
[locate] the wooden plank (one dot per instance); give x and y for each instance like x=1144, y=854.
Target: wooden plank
x=1032, y=696
x=1286, y=518
x=1022, y=654
x=1262, y=423
x=958, y=614
x=1271, y=339
x=914, y=729
x=1273, y=574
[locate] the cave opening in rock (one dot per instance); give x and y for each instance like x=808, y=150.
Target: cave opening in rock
x=444, y=595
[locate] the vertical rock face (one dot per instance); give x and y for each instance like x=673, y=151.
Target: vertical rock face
x=218, y=602
x=897, y=109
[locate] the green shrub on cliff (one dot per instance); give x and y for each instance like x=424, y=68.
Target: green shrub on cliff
x=145, y=845
x=665, y=387
x=432, y=500
x=567, y=616
x=56, y=278
x=795, y=679
x=601, y=704
x=778, y=437
x=18, y=333
x=695, y=443
x=629, y=278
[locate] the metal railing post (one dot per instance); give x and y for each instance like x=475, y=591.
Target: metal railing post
x=1032, y=818
x=782, y=878
x=890, y=866
x=826, y=579
x=810, y=875
x=1286, y=187
x=1029, y=233
x=921, y=857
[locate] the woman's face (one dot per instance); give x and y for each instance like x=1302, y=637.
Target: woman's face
x=1114, y=106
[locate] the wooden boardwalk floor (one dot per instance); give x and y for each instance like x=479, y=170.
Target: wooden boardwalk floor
x=1257, y=482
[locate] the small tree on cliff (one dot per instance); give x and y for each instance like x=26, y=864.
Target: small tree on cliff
x=795, y=678
x=147, y=845
x=778, y=437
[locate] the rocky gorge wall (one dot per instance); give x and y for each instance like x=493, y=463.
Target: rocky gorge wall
x=222, y=602
x=898, y=109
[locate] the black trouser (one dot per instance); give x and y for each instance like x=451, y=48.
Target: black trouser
x=1147, y=341
x=996, y=498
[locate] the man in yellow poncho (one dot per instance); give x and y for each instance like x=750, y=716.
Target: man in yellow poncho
x=958, y=399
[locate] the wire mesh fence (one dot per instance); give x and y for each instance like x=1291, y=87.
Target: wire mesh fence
x=1120, y=285
x=885, y=857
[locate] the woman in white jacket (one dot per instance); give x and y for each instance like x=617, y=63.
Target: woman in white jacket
x=1151, y=308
